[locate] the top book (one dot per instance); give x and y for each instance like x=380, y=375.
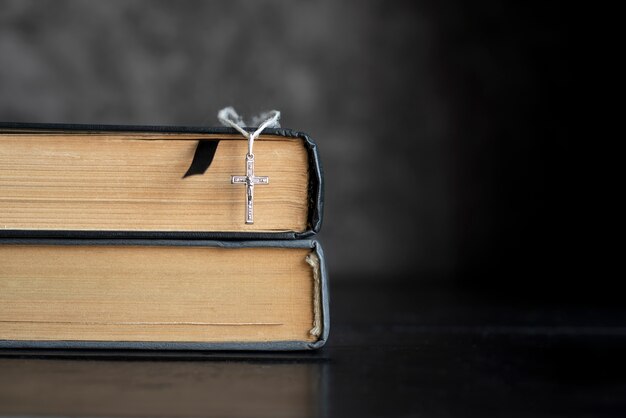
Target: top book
x=99, y=181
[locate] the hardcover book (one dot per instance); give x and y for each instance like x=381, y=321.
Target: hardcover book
x=162, y=294
x=94, y=181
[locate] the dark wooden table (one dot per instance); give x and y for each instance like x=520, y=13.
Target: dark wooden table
x=395, y=350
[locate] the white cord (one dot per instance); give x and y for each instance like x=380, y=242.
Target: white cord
x=229, y=117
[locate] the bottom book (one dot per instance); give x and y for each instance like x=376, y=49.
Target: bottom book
x=183, y=295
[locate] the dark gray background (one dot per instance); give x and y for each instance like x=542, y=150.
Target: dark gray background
x=441, y=124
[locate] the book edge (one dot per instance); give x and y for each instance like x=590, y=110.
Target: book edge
x=316, y=185
x=217, y=346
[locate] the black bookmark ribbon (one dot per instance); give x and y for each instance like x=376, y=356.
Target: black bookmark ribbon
x=205, y=151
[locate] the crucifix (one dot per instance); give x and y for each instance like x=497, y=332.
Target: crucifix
x=250, y=180
x=229, y=117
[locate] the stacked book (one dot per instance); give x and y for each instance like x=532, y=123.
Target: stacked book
x=160, y=238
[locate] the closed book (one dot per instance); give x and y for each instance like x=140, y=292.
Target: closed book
x=163, y=294
x=145, y=182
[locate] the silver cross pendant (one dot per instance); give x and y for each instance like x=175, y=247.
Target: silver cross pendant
x=250, y=180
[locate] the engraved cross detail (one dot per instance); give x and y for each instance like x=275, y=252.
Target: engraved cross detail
x=250, y=180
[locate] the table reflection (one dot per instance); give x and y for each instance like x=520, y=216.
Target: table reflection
x=173, y=388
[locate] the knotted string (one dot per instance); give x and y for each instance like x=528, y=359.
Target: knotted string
x=229, y=117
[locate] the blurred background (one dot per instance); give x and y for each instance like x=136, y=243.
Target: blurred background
x=442, y=126
x=457, y=220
